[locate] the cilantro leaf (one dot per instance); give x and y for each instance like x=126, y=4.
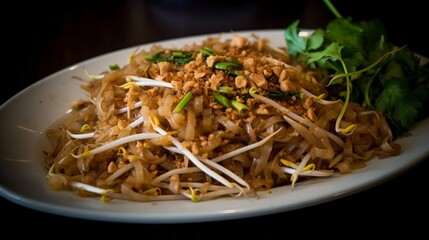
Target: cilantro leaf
x=397, y=99
x=295, y=44
x=374, y=41
x=327, y=58
x=315, y=41
x=385, y=78
x=349, y=35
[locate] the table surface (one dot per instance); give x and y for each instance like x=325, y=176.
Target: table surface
x=61, y=34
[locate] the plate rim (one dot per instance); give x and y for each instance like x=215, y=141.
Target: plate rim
x=71, y=211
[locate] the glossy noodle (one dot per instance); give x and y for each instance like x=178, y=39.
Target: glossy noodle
x=214, y=119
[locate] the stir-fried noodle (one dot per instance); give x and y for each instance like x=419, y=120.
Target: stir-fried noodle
x=213, y=119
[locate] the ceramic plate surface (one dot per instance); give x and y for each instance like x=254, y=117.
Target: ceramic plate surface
x=24, y=118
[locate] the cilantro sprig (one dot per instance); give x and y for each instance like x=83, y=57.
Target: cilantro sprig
x=365, y=67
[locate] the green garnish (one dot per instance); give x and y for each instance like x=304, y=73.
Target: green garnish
x=175, y=56
x=222, y=99
x=385, y=78
x=284, y=95
x=238, y=105
x=231, y=68
x=225, y=89
x=183, y=102
x=114, y=67
x=206, y=51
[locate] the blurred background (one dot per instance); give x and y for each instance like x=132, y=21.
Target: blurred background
x=41, y=38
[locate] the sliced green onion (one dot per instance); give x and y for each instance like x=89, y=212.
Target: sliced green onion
x=175, y=56
x=182, y=56
x=225, y=89
x=238, y=105
x=226, y=66
x=114, y=67
x=276, y=94
x=179, y=54
x=183, y=102
x=284, y=95
x=155, y=57
x=182, y=60
x=222, y=99
x=206, y=51
x=230, y=67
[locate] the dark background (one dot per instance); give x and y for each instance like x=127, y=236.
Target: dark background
x=40, y=39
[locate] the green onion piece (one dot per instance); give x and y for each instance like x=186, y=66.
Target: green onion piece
x=222, y=99
x=238, y=105
x=284, y=95
x=175, y=56
x=154, y=57
x=183, y=102
x=276, y=94
x=225, y=89
x=206, y=51
x=245, y=95
x=178, y=54
x=114, y=67
x=182, y=60
x=230, y=67
x=149, y=58
x=299, y=95
x=181, y=54
x=227, y=66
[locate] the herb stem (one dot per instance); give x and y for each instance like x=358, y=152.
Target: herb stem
x=332, y=8
x=349, y=130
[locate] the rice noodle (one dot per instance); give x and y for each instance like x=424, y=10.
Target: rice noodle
x=239, y=119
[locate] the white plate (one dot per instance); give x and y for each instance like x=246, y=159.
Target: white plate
x=24, y=118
